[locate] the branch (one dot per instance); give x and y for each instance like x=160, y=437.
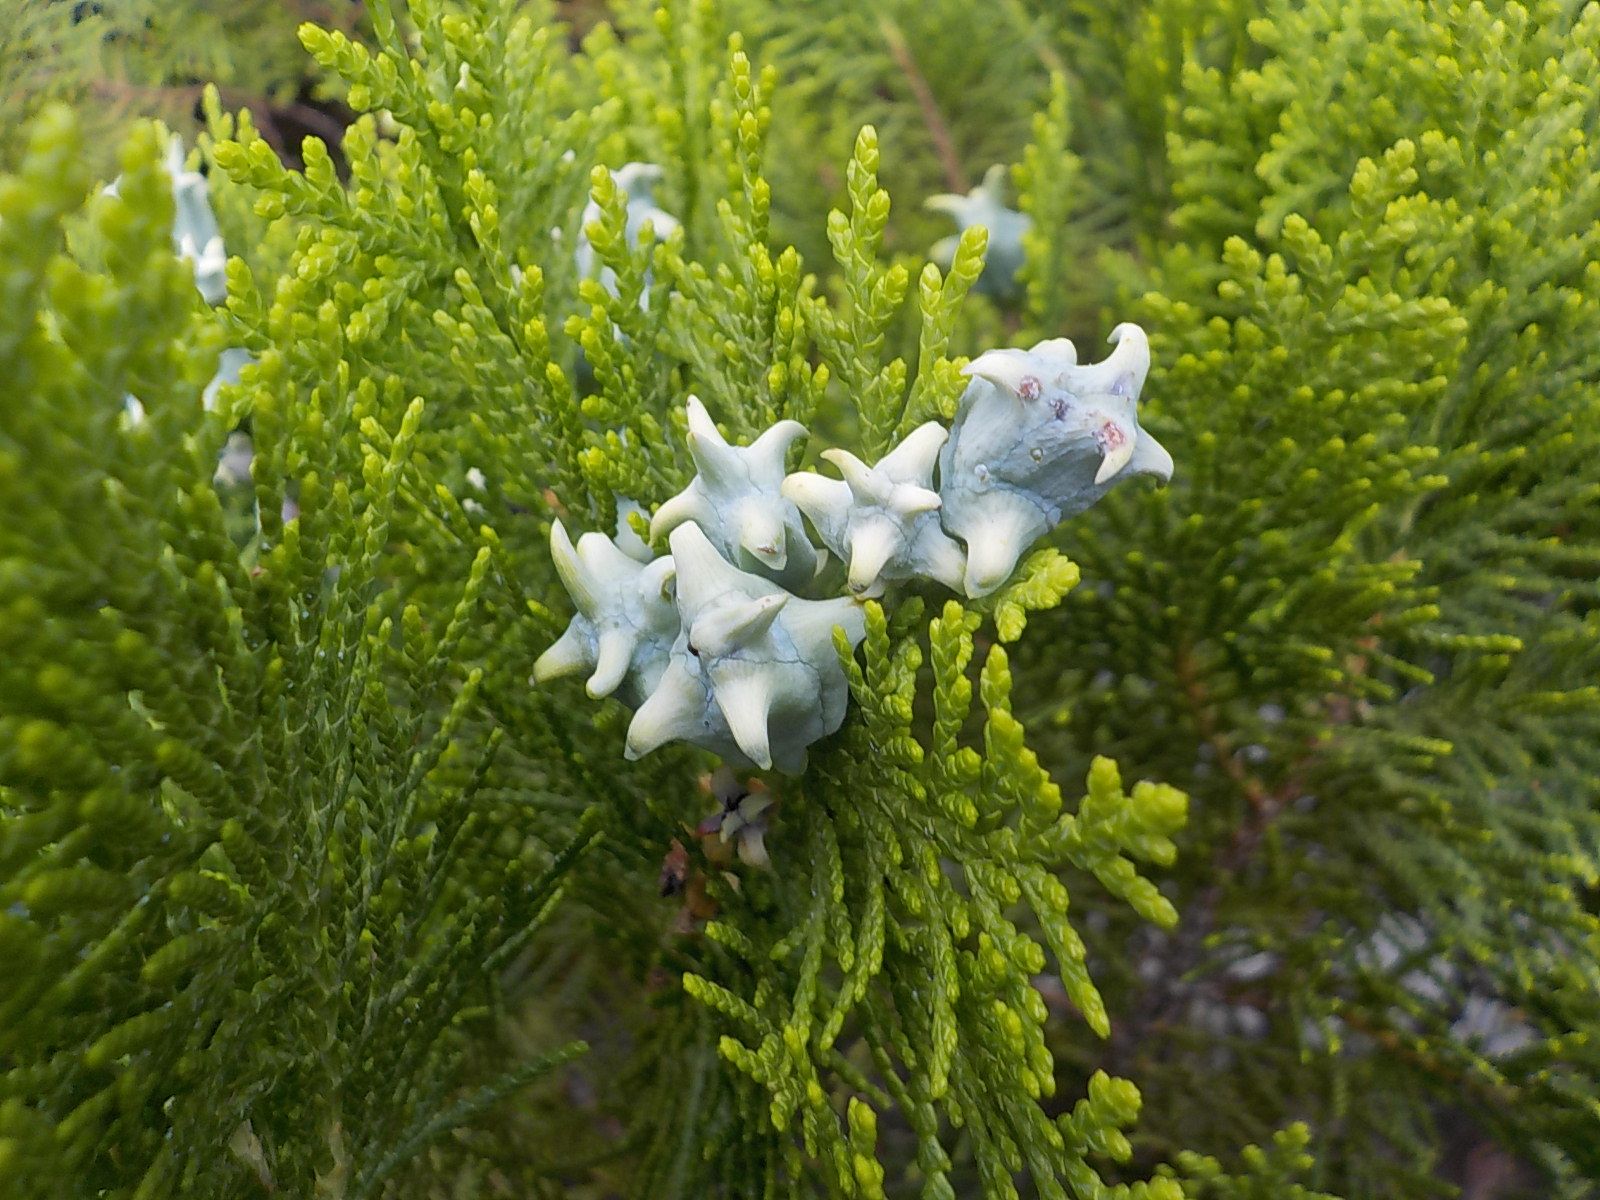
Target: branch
x=944, y=143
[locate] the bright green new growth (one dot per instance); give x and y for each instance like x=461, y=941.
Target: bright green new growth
x=931, y=971
x=273, y=918
x=257, y=885
x=280, y=808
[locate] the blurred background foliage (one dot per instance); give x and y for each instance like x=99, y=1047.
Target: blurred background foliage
x=116, y=60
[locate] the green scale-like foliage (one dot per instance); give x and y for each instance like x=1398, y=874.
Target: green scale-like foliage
x=882, y=935
x=255, y=895
x=283, y=818
x=1360, y=626
x=306, y=886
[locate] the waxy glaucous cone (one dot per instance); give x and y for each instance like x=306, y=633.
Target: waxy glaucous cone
x=1037, y=439
x=752, y=664
x=883, y=520
x=626, y=617
x=985, y=205
x=737, y=501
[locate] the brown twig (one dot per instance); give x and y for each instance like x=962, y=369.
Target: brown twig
x=1046, y=53
x=944, y=143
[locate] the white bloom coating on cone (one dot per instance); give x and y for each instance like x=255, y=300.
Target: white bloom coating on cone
x=985, y=205
x=1039, y=438
x=629, y=542
x=194, y=229
x=195, y=235
x=625, y=622
x=883, y=520
x=754, y=674
x=736, y=498
x=637, y=180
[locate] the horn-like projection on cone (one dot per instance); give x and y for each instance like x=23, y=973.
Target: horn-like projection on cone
x=626, y=618
x=872, y=544
x=1117, y=446
x=996, y=540
x=1007, y=369
x=736, y=497
x=674, y=711
x=754, y=671
x=713, y=645
x=883, y=522
x=745, y=698
x=723, y=628
x=569, y=654
x=613, y=652
x=1042, y=441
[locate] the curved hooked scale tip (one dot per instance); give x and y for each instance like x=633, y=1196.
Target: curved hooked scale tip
x=1150, y=457
x=567, y=656
x=910, y=499
x=745, y=697
x=1122, y=371
x=857, y=475
x=1061, y=350
x=724, y=628
x=712, y=455
x=1117, y=445
x=676, y=709
x=600, y=556
x=613, y=653
x=625, y=621
x=768, y=451
x=685, y=506
x=872, y=544
x=700, y=422
x=570, y=569
x=1011, y=370
x=824, y=500
x=914, y=458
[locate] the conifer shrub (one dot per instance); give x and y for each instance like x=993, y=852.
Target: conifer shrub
x=1242, y=844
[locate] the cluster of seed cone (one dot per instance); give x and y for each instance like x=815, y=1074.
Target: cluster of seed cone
x=712, y=644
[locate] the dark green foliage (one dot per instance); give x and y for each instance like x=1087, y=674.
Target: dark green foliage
x=1366, y=610
x=257, y=887
x=118, y=59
